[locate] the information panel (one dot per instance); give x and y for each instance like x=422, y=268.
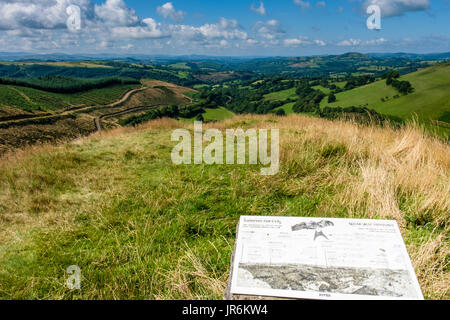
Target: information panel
x=315, y=258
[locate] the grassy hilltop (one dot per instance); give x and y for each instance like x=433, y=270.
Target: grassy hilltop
x=141, y=228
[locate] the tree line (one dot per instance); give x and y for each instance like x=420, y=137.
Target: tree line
x=404, y=87
x=60, y=84
x=172, y=111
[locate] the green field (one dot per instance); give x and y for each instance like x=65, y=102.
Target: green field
x=287, y=108
x=429, y=101
x=281, y=95
x=323, y=89
x=180, y=65
x=218, y=114
x=9, y=97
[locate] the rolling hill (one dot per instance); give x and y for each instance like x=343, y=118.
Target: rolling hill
x=430, y=100
x=29, y=116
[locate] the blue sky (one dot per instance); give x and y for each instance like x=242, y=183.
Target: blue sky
x=226, y=28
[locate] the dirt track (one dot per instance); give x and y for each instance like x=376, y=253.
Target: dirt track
x=98, y=120
x=71, y=110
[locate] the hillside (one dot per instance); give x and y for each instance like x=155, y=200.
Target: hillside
x=141, y=228
x=429, y=101
x=29, y=116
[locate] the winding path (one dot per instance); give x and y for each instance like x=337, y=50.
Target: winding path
x=98, y=120
x=70, y=110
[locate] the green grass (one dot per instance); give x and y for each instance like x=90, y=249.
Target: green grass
x=281, y=95
x=180, y=65
x=140, y=227
x=429, y=101
x=218, y=114
x=323, y=89
x=11, y=98
x=287, y=108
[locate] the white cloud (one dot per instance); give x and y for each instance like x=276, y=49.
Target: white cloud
x=228, y=29
x=261, y=10
x=225, y=28
x=293, y=42
x=375, y=42
x=168, y=11
x=303, y=4
x=116, y=12
x=270, y=29
x=349, y=43
x=391, y=8
x=38, y=14
x=358, y=42
x=303, y=41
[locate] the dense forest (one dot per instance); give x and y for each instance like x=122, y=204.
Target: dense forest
x=172, y=111
x=60, y=84
x=107, y=69
x=404, y=87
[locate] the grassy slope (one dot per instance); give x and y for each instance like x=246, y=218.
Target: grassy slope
x=429, y=101
x=281, y=95
x=141, y=228
x=287, y=108
x=218, y=114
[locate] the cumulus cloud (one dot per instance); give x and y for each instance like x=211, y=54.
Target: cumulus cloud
x=116, y=12
x=38, y=14
x=392, y=8
x=358, y=42
x=320, y=43
x=149, y=29
x=294, y=42
x=261, y=10
x=303, y=4
x=375, y=42
x=269, y=29
x=168, y=11
x=349, y=43
x=226, y=29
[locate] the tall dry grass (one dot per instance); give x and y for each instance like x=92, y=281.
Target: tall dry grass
x=362, y=171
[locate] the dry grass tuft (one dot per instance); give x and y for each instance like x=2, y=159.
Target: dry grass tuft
x=117, y=188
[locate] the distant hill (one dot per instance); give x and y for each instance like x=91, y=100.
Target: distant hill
x=311, y=66
x=413, y=56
